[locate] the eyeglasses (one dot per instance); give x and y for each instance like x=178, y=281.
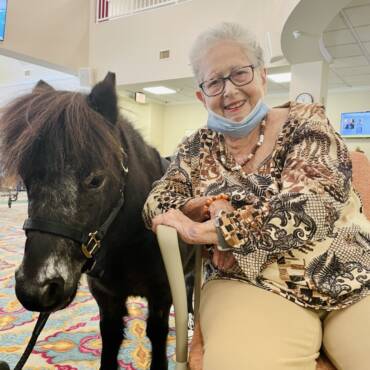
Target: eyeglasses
x=239, y=77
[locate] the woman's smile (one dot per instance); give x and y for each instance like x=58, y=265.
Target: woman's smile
x=234, y=109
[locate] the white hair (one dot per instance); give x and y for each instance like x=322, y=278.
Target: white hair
x=225, y=31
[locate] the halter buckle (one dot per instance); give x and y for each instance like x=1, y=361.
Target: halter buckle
x=91, y=246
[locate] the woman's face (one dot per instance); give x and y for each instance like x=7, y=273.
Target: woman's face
x=235, y=102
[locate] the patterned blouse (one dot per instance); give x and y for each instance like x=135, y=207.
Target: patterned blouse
x=298, y=229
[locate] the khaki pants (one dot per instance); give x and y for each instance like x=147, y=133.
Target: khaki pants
x=248, y=328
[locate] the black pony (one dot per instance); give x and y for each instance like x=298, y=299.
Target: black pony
x=87, y=174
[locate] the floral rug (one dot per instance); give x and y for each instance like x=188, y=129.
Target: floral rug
x=70, y=339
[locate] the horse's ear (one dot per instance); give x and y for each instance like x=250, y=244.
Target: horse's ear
x=103, y=98
x=42, y=86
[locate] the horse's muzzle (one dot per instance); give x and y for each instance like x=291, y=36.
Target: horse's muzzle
x=48, y=296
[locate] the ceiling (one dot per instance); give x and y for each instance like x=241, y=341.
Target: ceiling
x=185, y=88
x=347, y=39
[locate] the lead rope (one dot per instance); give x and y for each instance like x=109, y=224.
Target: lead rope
x=41, y=321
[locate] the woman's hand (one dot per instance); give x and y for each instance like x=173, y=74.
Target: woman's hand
x=189, y=231
x=196, y=209
x=219, y=205
x=223, y=260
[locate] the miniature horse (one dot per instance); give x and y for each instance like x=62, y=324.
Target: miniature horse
x=87, y=174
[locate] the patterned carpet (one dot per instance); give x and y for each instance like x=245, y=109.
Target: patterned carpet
x=70, y=339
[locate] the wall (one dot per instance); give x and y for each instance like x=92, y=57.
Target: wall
x=51, y=33
x=137, y=114
x=179, y=121
x=130, y=46
x=157, y=130
x=146, y=118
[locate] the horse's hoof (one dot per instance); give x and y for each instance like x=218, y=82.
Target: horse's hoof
x=4, y=366
x=157, y=367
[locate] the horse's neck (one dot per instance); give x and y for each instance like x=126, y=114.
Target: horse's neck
x=144, y=167
x=133, y=140
x=143, y=160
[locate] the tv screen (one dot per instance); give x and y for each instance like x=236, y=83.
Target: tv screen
x=2, y=18
x=355, y=124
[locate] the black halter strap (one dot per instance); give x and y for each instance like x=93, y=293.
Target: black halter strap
x=55, y=228
x=90, y=241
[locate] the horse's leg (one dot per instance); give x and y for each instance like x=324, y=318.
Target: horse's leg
x=187, y=253
x=157, y=331
x=189, y=284
x=111, y=330
x=112, y=309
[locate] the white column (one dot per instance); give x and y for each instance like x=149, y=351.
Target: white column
x=311, y=78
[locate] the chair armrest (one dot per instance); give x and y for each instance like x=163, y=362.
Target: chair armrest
x=169, y=246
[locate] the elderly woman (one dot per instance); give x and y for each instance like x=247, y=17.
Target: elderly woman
x=268, y=192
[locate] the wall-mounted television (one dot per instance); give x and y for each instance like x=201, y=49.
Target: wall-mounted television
x=355, y=124
x=3, y=4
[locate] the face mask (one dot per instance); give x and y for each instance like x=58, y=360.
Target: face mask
x=238, y=129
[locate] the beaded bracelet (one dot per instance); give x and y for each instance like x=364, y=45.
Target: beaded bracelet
x=212, y=199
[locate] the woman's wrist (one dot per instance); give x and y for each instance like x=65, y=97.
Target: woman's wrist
x=205, y=233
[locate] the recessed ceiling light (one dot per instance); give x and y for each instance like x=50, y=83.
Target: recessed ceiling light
x=280, y=77
x=159, y=90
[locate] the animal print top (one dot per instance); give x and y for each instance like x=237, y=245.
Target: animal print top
x=298, y=229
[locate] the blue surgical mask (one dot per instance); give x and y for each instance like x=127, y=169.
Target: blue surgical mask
x=238, y=129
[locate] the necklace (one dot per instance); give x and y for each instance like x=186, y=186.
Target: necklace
x=257, y=145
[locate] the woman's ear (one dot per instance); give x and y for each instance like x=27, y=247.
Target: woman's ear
x=263, y=74
x=200, y=97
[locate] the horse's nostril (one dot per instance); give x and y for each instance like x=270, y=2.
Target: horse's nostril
x=53, y=290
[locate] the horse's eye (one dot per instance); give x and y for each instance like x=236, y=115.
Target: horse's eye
x=94, y=182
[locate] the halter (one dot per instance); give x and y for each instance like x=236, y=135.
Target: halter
x=90, y=242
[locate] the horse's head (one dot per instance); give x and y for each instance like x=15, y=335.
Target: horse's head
x=66, y=148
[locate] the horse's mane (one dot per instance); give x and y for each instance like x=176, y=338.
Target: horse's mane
x=53, y=128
